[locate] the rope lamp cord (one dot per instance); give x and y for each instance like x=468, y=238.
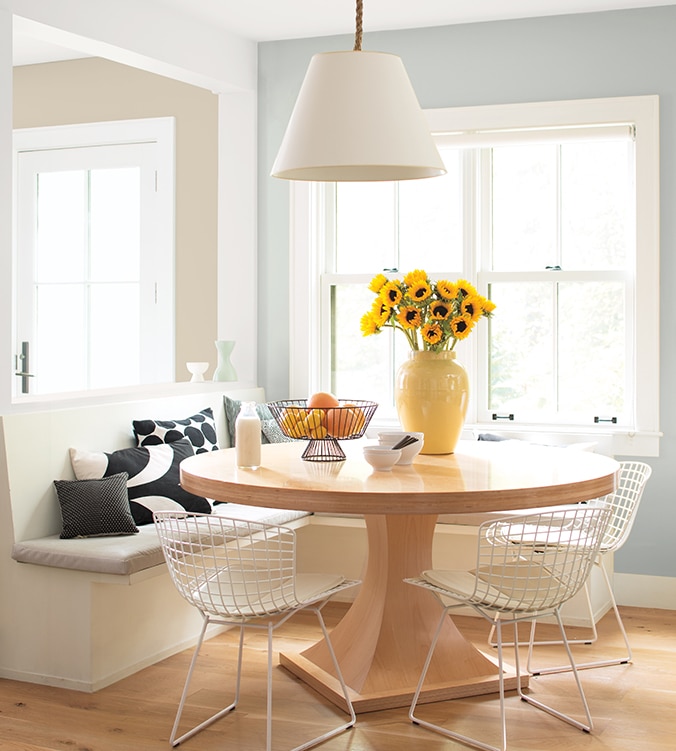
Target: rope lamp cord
x=359, y=29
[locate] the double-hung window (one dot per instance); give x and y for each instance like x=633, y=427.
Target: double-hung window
x=551, y=211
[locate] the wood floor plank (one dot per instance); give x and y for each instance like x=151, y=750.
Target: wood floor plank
x=632, y=705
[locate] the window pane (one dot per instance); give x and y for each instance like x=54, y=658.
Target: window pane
x=115, y=323
x=430, y=219
x=365, y=227
x=595, y=204
x=59, y=360
x=61, y=222
x=524, y=202
x=521, y=357
x=592, y=346
x=115, y=209
x=361, y=366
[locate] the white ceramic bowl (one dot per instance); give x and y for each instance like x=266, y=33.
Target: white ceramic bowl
x=408, y=453
x=381, y=458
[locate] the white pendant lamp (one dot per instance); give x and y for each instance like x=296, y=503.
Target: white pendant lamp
x=357, y=118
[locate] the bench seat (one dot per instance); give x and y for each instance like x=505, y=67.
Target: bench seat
x=128, y=554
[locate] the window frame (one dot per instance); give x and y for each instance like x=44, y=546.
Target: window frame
x=308, y=371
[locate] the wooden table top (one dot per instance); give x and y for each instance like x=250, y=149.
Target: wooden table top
x=480, y=476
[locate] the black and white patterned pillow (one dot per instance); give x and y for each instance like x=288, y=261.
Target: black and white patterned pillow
x=94, y=508
x=199, y=429
x=153, y=471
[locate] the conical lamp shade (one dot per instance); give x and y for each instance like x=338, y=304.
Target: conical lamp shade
x=357, y=118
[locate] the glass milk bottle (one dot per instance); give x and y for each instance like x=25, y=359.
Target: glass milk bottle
x=248, y=437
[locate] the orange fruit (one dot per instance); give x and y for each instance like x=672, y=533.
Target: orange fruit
x=322, y=399
x=344, y=422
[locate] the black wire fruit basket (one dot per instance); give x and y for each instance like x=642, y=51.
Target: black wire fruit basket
x=323, y=427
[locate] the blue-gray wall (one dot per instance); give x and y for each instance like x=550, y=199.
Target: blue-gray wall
x=620, y=53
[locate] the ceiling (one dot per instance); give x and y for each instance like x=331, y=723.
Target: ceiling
x=264, y=20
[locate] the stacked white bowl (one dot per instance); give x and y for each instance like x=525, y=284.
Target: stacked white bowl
x=408, y=453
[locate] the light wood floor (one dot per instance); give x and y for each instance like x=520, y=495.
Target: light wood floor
x=634, y=706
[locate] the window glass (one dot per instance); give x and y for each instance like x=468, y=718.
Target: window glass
x=596, y=192
x=524, y=207
x=60, y=232
x=430, y=219
x=365, y=227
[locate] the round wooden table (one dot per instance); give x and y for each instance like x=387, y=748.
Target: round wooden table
x=382, y=640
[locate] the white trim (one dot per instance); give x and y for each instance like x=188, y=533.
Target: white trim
x=643, y=591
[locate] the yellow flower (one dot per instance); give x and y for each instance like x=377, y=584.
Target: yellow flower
x=368, y=325
x=391, y=294
x=432, y=316
x=432, y=333
x=461, y=326
x=488, y=306
x=467, y=289
x=380, y=312
x=440, y=311
x=377, y=283
x=415, y=277
x=419, y=292
x=447, y=290
x=471, y=306
x=409, y=317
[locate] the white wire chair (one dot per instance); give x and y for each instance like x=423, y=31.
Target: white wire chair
x=242, y=573
x=624, y=503
x=518, y=580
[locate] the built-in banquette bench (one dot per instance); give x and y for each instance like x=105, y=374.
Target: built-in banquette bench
x=83, y=613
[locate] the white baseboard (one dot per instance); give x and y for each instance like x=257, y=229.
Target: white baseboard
x=636, y=590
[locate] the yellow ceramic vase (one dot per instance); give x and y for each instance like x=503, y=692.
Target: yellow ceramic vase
x=431, y=394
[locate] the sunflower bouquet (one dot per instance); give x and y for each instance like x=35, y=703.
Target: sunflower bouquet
x=432, y=315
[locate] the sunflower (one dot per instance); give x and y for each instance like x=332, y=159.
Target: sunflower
x=432, y=333
x=409, y=317
x=391, y=293
x=377, y=283
x=467, y=289
x=415, y=277
x=471, y=306
x=440, y=311
x=420, y=291
x=488, y=306
x=433, y=316
x=380, y=312
x=447, y=290
x=368, y=325
x=461, y=326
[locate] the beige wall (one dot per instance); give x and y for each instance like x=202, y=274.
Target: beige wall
x=96, y=90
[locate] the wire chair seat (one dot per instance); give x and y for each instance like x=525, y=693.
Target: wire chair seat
x=516, y=580
x=242, y=573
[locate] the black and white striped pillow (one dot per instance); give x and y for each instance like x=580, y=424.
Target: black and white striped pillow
x=153, y=471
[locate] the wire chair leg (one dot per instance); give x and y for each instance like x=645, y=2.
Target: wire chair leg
x=573, y=668
x=350, y=709
x=444, y=731
x=597, y=663
x=176, y=741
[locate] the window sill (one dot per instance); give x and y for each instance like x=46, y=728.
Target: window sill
x=616, y=442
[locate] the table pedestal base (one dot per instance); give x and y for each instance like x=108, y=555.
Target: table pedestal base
x=382, y=641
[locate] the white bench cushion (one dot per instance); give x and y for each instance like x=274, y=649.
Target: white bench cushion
x=127, y=554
